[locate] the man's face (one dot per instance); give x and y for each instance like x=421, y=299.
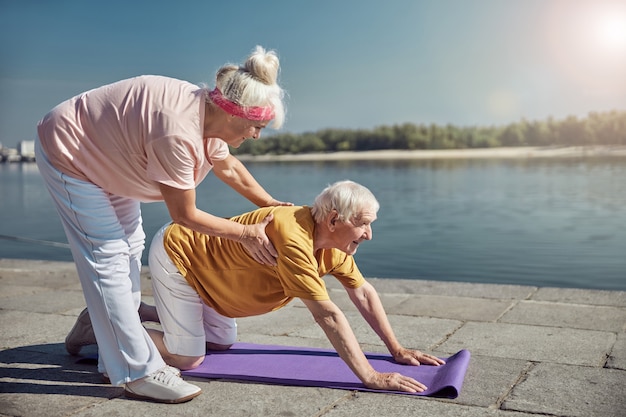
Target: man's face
x=348, y=234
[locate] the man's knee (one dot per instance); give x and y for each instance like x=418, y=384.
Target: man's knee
x=185, y=363
x=217, y=346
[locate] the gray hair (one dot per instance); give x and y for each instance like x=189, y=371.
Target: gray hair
x=254, y=84
x=346, y=197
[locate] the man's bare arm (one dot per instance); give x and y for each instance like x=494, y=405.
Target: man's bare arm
x=335, y=324
x=367, y=301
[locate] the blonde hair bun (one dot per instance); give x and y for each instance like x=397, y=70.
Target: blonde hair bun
x=263, y=65
x=254, y=84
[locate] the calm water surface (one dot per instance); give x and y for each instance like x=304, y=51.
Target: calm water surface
x=552, y=222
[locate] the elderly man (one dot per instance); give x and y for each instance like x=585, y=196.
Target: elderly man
x=202, y=283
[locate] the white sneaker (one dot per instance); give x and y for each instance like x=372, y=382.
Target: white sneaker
x=163, y=386
x=107, y=380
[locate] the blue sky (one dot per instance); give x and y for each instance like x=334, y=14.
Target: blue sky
x=345, y=64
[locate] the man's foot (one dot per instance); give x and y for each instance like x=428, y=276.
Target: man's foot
x=82, y=332
x=80, y=335
x=163, y=386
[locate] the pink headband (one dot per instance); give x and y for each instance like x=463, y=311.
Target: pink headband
x=250, y=113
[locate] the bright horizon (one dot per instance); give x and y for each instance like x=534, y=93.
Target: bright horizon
x=345, y=65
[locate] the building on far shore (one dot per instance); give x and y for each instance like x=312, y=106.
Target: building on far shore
x=25, y=152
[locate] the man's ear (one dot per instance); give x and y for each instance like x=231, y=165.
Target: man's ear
x=332, y=218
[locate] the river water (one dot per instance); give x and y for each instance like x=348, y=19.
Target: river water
x=546, y=222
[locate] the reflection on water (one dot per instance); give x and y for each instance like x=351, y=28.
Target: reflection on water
x=28, y=191
x=548, y=222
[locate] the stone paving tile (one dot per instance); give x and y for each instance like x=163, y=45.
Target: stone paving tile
x=342, y=300
x=17, y=355
x=415, y=332
x=377, y=405
x=566, y=390
x=460, y=289
x=575, y=316
x=27, y=377
x=53, y=275
x=452, y=307
x=59, y=401
x=617, y=359
x=24, y=328
x=489, y=379
x=534, y=343
x=51, y=301
x=228, y=398
x=11, y=291
x=32, y=266
x=580, y=296
x=420, y=333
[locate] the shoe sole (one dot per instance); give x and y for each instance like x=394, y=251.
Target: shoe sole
x=134, y=396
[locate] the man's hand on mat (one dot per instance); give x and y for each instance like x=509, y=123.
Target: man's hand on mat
x=394, y=381
x=415, y=357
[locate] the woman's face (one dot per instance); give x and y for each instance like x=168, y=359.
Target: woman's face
x=239, y=129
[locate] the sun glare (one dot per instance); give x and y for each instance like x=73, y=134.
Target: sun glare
x=586, y=40
x=612, y=32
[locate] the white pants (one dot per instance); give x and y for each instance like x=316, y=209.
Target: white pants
x=106, y=238
x=186, y=321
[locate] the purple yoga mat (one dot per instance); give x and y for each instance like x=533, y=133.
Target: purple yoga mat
x=312, y=367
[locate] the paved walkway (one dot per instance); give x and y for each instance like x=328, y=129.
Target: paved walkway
x=535, y=351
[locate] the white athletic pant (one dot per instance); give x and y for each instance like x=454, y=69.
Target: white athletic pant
x=186, y=321
x=106, y=238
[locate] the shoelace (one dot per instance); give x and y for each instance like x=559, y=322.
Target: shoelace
x=168, y=375
x=174, y=370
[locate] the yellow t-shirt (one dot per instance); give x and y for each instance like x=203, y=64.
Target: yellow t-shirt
x=235, y=285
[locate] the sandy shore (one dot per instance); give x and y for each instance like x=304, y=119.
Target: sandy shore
x=513, y=152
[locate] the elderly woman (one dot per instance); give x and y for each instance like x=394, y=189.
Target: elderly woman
x=202, y=283
x=150, y=138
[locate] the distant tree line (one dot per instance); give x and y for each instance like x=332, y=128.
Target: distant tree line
x=608, y=128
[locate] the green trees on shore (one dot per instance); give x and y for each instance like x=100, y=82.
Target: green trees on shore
x=607, y=128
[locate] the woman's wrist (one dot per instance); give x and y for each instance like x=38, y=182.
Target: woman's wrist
x=244, y=233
